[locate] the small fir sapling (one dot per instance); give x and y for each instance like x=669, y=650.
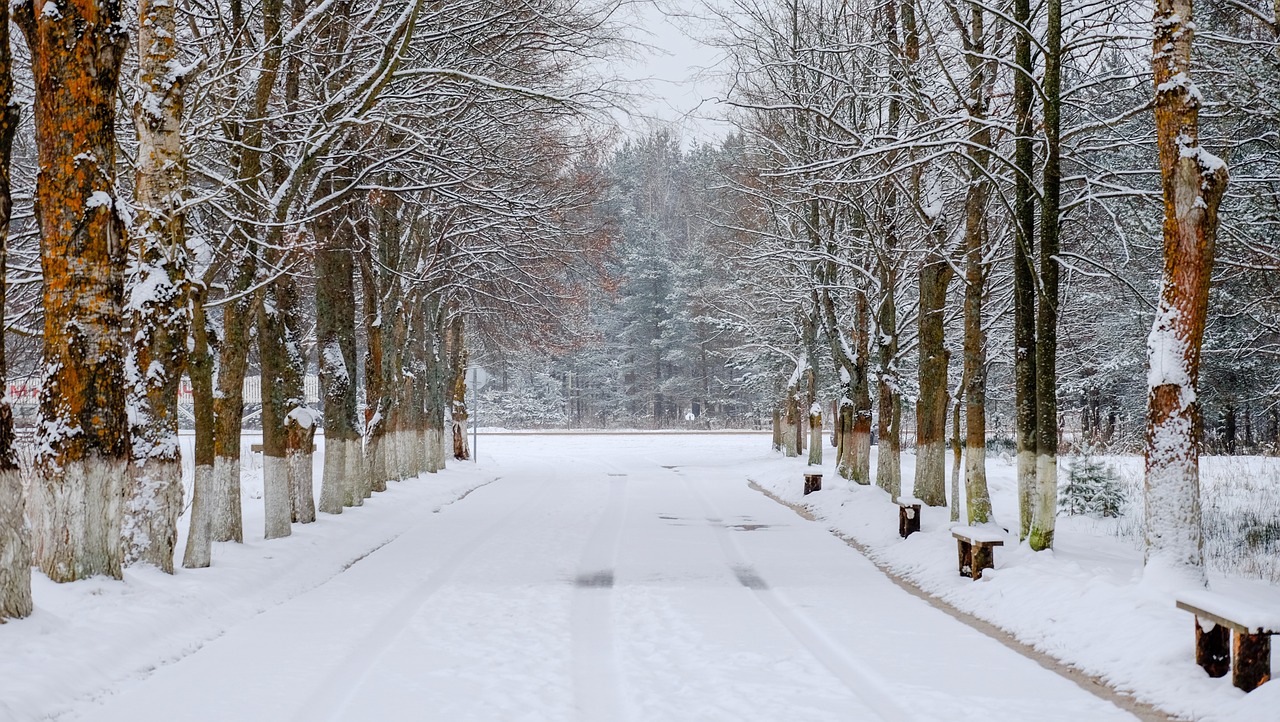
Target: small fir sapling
x=1092, y=488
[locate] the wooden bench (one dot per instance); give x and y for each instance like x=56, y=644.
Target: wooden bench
x=976, y=546
x=812, y=483
x=908, y=515
x=1217, y=616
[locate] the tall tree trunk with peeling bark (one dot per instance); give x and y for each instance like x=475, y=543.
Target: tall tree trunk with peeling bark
x=158, y=294
x=15, y=546
x=1193, y=181
x=82, y=468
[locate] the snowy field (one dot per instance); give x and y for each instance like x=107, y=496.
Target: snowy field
x=630, y=577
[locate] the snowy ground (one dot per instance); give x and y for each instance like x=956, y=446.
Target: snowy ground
x=603, y=578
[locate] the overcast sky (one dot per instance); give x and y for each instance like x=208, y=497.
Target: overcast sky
x=674, y=71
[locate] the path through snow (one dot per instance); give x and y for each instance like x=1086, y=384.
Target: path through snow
x=604, y=578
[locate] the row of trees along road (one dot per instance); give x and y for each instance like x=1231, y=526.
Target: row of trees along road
x=989, y=178
x=240, y=185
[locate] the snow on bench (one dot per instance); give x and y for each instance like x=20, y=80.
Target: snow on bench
x=908, y=515
x=976, y=549
x=1249, y=658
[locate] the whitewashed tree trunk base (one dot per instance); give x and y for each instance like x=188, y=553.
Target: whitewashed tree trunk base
x=376, y=463
x=275, y=497
x=1046, y=499
x=357, y=480
x=227, y=523
x=76, y=519
x=337, y=488
x=301, y=485
x=150, y=525
x=15, y=549
x=198, y=553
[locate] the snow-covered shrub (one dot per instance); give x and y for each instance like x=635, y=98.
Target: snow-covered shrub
x=1093, y=488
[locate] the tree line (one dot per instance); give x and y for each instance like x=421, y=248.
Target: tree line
x=209, y=189
x=952, y=201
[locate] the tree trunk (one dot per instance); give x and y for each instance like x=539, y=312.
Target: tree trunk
x=15, y=547
x=1024, y=288
x=1044, y=518
x=860, y=453
x=458, y=387
x=974, y=386
x=82, y=467
x=198, y=553
x=931, y=408
x=375, y=425
x=888, y=398
x=1193, y=182
x=158, y=313
x=287, y=423
x=227, y=522
x=336, y=341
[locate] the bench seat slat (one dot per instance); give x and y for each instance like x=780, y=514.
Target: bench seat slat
x=978, y=535
x=1231, y=613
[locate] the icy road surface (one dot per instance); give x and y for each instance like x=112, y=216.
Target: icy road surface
x=604, y=578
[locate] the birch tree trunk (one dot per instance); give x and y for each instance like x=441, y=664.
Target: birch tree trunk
x=1193, y=181
x=15, y=547
x=82, y=466
x=158, y=294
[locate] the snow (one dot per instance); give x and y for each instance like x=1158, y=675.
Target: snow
x=1233, y=610
x=610, y=577
x=97, y=199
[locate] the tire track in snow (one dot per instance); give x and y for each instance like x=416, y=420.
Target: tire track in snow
x=860, y=679
x=331, y=697
x=595, y=666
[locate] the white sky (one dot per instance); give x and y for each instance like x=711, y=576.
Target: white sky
x=676, y=73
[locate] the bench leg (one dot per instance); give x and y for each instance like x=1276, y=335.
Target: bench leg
x=983, y=558
x=1213, y=648
x=1252, y=665
x=966, y=557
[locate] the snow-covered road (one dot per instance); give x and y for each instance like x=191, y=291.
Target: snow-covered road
x=607, y=578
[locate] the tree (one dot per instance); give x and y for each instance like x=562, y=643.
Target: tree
x=15, y=550
x=1193, y=183
x=157, y=290
x=83, y=435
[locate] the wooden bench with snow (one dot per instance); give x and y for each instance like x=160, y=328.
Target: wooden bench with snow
x=976, y=546
x=812, y=483
x=1248, y=656
x=908, y=515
